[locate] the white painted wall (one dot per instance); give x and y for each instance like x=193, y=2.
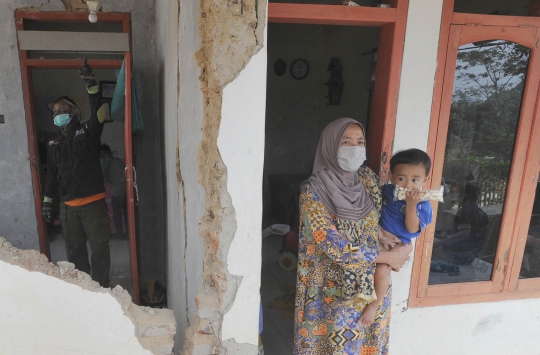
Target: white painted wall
x=509, y=327
x=167, y=49
x=43, y=315
x=241, y=145
x=181, y=110
x=190, y=117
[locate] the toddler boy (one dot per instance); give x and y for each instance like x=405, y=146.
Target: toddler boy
x=400, y=220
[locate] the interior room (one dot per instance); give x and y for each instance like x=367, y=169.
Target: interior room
x=316, y=73
x=48, y=85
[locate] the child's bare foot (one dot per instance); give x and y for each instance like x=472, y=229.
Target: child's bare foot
x=368, y=315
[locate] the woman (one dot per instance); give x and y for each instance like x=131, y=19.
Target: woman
x=338, y=250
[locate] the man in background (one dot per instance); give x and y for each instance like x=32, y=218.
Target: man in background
x=114, y=175
x=74, y=184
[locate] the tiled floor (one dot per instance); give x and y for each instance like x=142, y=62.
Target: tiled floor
x=277, y=335
x=120, y=265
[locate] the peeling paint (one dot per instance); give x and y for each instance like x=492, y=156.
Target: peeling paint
x=75, y=5
x=230, y=35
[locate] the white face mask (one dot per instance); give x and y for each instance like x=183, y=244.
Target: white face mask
x=351, y=158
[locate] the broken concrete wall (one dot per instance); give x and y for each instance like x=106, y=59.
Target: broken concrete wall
x=177, y=41
x=17, y=211
x=231, y=33
x=201, y=220
x=59, y=310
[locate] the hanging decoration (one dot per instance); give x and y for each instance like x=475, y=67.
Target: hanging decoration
x=279, y=67
x=335, y=84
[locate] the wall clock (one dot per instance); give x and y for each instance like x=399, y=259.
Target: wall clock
x=299, y=69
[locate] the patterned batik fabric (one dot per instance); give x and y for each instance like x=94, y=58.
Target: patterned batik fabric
x=326, y=322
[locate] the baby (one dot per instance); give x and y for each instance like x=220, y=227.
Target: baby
x=400, y=220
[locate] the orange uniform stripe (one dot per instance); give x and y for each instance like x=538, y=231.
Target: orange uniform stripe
x=85, y=200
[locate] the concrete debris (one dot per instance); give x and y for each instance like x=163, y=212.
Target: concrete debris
x=154, y=328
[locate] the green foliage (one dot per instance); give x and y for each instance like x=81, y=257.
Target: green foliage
x=490, y=169
x=486, y=102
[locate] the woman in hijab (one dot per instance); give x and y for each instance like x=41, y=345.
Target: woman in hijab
x=338, y=250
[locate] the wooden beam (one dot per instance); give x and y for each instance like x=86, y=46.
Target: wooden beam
x=331, y=15
x=494, y=20
x=70, y=16
x=26, y=78
x=73, y=41
x=387, y=78
x=424, y=243
x=73, y=63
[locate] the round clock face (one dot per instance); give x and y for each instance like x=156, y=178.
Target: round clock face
x=299, y=69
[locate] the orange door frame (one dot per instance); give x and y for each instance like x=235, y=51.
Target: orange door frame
x=26, y=73
x=392, y=22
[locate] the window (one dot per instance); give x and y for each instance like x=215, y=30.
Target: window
x=484, y=243
x=490, y=7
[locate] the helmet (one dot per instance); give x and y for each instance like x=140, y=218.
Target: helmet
x=76, y=109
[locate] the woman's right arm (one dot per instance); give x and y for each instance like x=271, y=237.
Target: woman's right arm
x=395, y=258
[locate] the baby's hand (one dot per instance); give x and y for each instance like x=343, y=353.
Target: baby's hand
x=413, y=197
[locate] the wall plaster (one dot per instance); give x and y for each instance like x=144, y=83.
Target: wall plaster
x=50, y=309
x=227, y=30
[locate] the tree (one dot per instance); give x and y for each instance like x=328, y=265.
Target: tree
x=486, y=102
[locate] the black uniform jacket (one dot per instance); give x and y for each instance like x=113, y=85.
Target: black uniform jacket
x=73, y=164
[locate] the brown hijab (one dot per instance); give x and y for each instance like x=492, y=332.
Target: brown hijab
x=340, y=191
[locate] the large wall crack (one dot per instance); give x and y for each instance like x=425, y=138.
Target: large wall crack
x=231, y=34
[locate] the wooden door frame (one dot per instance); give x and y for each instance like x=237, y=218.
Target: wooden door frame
x=505, y=284
x=392, y=22
x=27, y=65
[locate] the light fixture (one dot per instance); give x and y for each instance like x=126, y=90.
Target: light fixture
x=94, y=7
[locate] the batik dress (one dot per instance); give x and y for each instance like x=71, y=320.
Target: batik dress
x=335, y=280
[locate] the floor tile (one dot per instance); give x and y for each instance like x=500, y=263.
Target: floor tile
x=120, y=260
x=268, y=325
x=283, y=326
x=277, y=336
x=289, y=339
x=274, y=344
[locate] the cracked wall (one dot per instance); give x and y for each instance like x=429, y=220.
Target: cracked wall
x=215, y=41
x=48, y=309
x=231, y=34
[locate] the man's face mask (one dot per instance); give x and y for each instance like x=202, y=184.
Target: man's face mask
x=62, y=120
x=62, y=114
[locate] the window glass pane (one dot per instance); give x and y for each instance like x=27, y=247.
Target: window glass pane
x=491, y=7
x=484, y=115
x=530, y=266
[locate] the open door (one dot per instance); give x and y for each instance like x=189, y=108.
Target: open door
x=131, y=176
x=36, y=52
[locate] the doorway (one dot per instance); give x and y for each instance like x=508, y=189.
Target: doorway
x=349, y=67
x=49, y=70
